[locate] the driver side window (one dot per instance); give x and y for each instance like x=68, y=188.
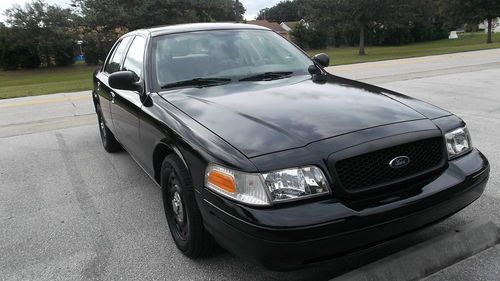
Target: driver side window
x=135, y=56
x=114, y=62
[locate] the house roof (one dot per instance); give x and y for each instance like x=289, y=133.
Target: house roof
x=274, y=26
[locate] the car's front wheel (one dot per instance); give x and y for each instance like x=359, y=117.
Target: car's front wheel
x=183, y=215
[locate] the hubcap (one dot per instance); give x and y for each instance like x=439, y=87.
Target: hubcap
x=178, y=215
x=177, y=207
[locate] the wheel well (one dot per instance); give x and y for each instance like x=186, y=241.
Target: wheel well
x=161, y=151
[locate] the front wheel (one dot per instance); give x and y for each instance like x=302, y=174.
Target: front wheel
x=182, y=212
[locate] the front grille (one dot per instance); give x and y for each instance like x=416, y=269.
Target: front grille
x=372, y=169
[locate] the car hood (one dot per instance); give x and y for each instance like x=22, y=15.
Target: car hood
x=263, y=117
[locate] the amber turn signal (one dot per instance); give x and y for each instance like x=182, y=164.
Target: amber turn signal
x=222, y=181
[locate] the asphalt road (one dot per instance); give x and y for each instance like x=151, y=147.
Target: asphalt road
x=70, y=211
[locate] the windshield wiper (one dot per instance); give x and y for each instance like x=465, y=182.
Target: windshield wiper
x=197, y=82
x=268, y=76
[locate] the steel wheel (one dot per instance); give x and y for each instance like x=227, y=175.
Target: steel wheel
x=181, y=209
x=177, y=206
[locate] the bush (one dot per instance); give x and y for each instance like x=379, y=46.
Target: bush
x=63, y=56
x=16, y=51
x=96, y=46
x=28, y=58
x=8, y=60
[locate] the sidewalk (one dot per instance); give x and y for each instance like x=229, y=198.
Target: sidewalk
x=25, y=115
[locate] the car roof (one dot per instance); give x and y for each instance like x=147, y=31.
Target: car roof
x=180, y=28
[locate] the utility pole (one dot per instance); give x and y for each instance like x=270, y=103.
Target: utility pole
x=237, y=11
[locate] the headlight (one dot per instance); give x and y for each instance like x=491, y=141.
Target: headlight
x=296, y=183
x=458, y=142
x=264, y=189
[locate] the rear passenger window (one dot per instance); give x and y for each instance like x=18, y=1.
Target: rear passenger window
x=135, y=55
x=114, y=63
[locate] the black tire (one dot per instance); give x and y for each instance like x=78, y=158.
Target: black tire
x=186, y=223
x=108, y=139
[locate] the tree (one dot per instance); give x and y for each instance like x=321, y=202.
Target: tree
x=378, y=22
x=135, y=14
x=288, y=10
x=408, y=21
x=343, y=14
x=471, y=11
x=39, y=33
x=103, y=22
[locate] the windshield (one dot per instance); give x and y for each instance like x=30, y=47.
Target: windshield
x=233, y=54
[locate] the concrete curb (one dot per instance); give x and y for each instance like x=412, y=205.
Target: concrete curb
x=430, y=256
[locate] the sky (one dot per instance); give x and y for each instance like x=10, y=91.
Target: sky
x=253, y=6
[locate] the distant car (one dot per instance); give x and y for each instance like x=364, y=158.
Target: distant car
x=257, y=147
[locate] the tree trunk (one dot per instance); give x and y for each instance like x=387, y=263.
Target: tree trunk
x=362, y=40
x=490, y=29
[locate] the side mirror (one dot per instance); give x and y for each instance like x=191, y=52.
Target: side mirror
x=322, y=59
x=125, y=80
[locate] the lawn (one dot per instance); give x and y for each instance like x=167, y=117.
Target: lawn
x=466, y=42
x=79, y=76
x=44, y=81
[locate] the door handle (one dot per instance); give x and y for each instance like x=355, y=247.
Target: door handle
x=113, y=95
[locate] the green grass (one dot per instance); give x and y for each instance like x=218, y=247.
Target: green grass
x=78, y=77
x=466, y=42
x=20, y=83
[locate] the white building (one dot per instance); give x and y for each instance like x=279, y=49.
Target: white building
x=495, y=25
x=290, y=25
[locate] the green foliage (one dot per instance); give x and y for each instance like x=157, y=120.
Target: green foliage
x=415, y=22
x=96, y=44
x=288, y=10
x=135, y=14
x=457, y=12
x=376, y=22
x=37, y=34
x=104, y=22
x=17, y=50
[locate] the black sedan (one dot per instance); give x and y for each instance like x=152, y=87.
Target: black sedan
x=256, y=147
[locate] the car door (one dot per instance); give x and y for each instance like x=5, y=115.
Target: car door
x=113, y=64
x=126, y=105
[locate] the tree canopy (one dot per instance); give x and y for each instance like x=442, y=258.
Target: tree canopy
x=37, y=33
x=471, y=11
x=380, y=22
x=134, y=14
x=288, y=10
x=41, y=34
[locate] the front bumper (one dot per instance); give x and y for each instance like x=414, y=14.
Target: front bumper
x=298, y=234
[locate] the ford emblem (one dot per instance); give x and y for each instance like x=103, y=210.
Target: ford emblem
x=399, y=162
